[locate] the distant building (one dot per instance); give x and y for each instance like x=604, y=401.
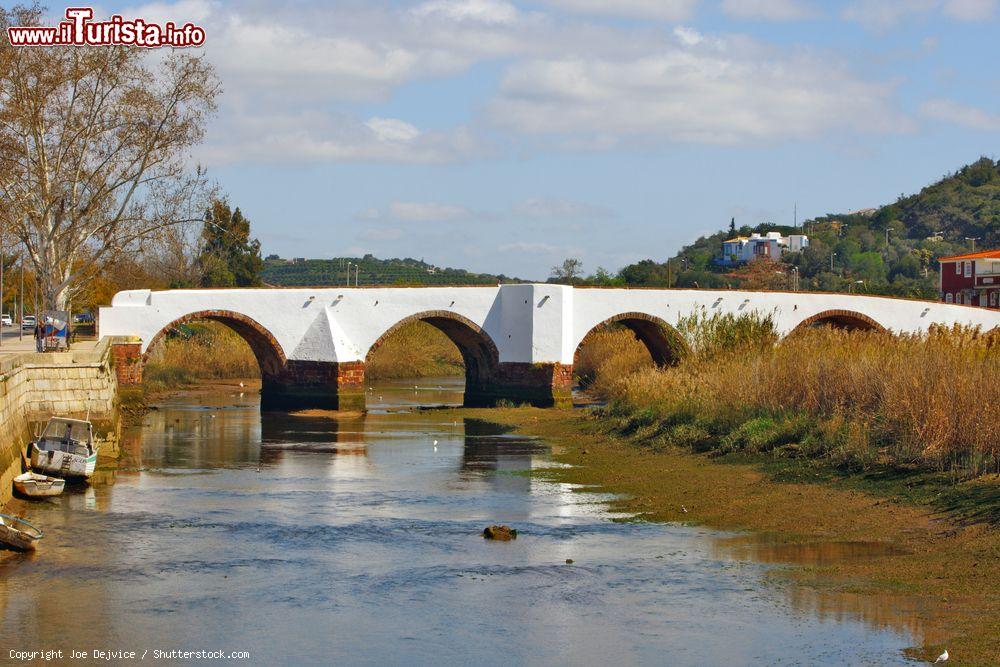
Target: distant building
x=771, y=245
x=972, y=279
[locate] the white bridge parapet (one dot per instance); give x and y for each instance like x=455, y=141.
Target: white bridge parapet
x=528, y=323
x=510, y=336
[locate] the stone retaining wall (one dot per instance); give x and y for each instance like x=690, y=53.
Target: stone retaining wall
x=36, y=386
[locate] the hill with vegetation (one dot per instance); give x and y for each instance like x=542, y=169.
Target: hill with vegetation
x=369, y=270
x=890, y=250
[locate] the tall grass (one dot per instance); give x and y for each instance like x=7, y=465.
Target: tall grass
x=211, y=351
x=199, y=351
x=608, y=354
x=416, y=349
x=857, y=399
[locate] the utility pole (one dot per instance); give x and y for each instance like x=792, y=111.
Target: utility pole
x=357, y=270
x=796, y=222
x=832, y=255
x=348, y=274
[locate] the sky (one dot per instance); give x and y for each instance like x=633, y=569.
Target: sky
x=504, y=136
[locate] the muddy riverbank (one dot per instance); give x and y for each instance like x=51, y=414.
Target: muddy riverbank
x=854, y=549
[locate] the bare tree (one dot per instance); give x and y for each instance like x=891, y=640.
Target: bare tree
x=570, y=270
x=94, y=150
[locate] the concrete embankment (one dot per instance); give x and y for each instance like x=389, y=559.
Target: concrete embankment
x=36, y=386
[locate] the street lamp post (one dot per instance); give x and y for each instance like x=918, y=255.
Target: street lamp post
x=832, y=255
x=973, y=239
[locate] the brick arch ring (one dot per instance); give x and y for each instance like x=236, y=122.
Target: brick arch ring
x=849, y=320
x=479, y=352
x=265, y=347
x=665, y=344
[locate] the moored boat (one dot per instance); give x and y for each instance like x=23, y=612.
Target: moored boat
x=18, y=533
x=66, y=448
x=34, y=485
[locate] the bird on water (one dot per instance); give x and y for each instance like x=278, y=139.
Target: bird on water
x=942, y=658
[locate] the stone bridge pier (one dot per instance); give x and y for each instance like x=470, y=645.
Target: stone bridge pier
x=518, y=342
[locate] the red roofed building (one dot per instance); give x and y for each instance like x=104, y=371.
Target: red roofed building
x=972, y=279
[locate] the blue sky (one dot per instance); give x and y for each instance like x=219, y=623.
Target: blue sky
x=504, y=136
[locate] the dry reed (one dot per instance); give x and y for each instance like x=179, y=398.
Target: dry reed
x=210, y=350
x=859, y=399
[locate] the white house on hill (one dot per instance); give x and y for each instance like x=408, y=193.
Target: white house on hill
x=771, y=245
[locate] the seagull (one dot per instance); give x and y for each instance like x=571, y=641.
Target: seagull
x=258, y=468
x=684, y=509
x=435, y=442
x=241, y=384
x=942, y=658
x=213, y=416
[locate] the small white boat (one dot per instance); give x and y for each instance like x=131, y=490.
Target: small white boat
x=66, y=448
x=18, y=533
x=33, y=485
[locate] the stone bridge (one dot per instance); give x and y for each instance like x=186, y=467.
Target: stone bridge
x=518, y=341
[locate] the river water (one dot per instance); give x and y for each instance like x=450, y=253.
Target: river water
x=302, y=539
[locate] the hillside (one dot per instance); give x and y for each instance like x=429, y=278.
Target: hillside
x=370, y=271
x=889, y=250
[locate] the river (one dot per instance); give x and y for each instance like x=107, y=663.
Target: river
x=302, y=539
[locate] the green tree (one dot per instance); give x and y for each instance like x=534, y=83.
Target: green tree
x=229, y=257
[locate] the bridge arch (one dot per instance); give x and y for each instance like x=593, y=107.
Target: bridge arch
x=848, y=320
x=479, y=353
x=665, y=344
x=268, y=352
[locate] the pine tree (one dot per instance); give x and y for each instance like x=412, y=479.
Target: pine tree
x=229, y=257
x=732, y=227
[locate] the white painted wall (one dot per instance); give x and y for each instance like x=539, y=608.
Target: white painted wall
x=528, y=323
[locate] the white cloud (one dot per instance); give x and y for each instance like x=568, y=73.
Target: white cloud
x=970, y=10
x=688, y=36
x=294, y=81
x=529, y=246
x=881, y=15
x=277, y=136
x=660, y=10
x=884, y=14
x=392, y=129
x=179, y=12
x=428, y=212
x=723, y=92
x=481, y=11
x=381, y=234
x=769, y=10
x=409, y=211
x=957, y=113
x=540, y=208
